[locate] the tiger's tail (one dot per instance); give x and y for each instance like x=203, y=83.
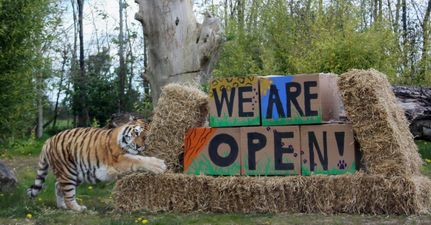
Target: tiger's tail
x=42, y=171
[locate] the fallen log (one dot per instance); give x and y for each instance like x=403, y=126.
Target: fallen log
x=416, y=101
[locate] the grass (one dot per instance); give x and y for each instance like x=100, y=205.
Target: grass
x=15, y=206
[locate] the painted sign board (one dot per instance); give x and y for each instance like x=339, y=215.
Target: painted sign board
x=212, y=151
x=299, y=99
x=234, y=102
x=270, y=150
x=327, y=149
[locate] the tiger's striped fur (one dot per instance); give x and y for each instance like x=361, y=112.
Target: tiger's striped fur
x=92, y=155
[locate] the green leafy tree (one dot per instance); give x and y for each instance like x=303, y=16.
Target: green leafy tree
x=289, y=37
x=21, y=38
x=102, y=88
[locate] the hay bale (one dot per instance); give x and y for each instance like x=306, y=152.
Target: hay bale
x=179, y=108
x=357, y=193
x=255, y=194
x=169, y=192
x=379, y=124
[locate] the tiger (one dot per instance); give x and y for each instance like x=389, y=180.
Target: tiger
x=92, y=155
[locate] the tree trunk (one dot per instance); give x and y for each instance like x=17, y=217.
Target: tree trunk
x=375, y=5
x=122, y=69
x=241, y=9
x=74, y=61
x=397, y=16
x=405, y=60
x=83, y=118
x=39, y=129
x=416, y=102
x=129, y=54
x=425, y=38
x=380, y=16
x=404, y=20
x=179, y=48
x=60, y=86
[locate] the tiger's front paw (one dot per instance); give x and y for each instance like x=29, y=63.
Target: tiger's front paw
x=75, y=206
x=155, y=165
x=80, y=208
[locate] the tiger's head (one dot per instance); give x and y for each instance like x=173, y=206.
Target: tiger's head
x=131, y=137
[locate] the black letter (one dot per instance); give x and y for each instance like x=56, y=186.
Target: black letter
x=339, y=137
x=253, y=148
x=274, y=98
x=291, y=97
x=241, y=101
x=213, y=147
x=279, y=150
x=219, y=103
x=308, y=96
x=312, y=141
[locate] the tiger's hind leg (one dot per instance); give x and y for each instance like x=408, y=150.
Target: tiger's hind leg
x=69, y=192
x=59, y=196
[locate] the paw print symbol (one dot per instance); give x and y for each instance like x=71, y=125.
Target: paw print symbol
x=295, y=154
x=268, y=128
x=341, y=165
x=290, y=147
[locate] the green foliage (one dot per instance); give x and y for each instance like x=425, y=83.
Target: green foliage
x=102, y=90
x=23, y=147
x=60, y=126
x=95, y=123
x=424, y=149
x=281, y=38
x=21, y=29
x=144, y=106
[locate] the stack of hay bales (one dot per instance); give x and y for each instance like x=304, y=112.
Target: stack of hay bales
x=390, y=183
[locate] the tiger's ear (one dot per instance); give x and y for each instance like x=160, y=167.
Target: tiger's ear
x=140, y=121
x=143, y=123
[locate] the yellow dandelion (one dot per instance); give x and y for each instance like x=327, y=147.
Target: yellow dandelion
x=428, y=160
x=139, y=219
x=29, y=216
x=144, y=221
x=39, y=199
x=136, y=221
x=90, y=187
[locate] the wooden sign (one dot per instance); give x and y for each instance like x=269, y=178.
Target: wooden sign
x=299, y=99
x=327, y=149
x=234, y=102
x=270, y=150
x=212, y=151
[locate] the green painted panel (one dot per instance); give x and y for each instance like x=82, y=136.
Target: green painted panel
x=305, y=171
